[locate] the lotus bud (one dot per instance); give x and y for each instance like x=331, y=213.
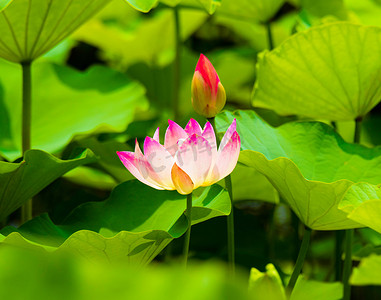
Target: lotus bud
x=208, y=94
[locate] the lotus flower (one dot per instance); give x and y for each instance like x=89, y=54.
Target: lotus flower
x=188, y=159
x=208, y=94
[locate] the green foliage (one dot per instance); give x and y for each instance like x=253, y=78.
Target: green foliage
x=4, y=4
x=146, y=5
x=362, y=202
x=268, y=285
x=335, y=81
x=312, y=177
x=29, y=28
x=151, y=41
x=63, y=277
x=21, y=181
x=65, y=103
x=367, y=273
x=132, y=226
x=259, y=10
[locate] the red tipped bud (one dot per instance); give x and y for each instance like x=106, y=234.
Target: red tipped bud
x=208, y=94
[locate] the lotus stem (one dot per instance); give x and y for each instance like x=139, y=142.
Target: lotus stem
x=347, y=263
x=230, y=217
x=301, y=257
x=188, y=214
x=350, y=232
x=177, y=63
x=339, y=237
x=270, y=38
x=26, y=209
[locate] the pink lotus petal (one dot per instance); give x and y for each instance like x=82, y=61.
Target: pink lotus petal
x=226, y=161
x=172, y=135
x=181, y=180
x=156, y=135
x=194, y=157
x=228, y=134
x=209, y=135
x=161, y=162
x=207, y=71
x=134, y=165
x=193, y=127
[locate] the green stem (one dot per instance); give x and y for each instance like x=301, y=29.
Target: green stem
x=230, y=226
x=339, y=237
x=230, y=217
x=188, y=214
x=176, y=73
x=270, y=38
x=301, y=257
x=26, y=210
x=350, y=232
x=347, y=263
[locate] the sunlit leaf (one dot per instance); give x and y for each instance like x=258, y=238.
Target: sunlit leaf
x=268, y=285
x=146, y=5
x=21, y=181
x=308, y=163
x=29, y=28
x=367, y=11
x=65, y=103
x=249, y=184
x=316, y=290
x=320, y=9
x=4, y=4
x=142, y=5
x=328, y=72
x=134, y=224
x=362, y=202
x=139, y=206
x=259, y=10
x=368, y=272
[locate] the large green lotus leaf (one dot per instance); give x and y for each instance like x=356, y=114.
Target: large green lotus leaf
x=362, y=202
x=21, y=181
x=144, y=220
x=138, y=248
x=30, y=28
x=65, y=103
x=151, y=41
x=308, y=163
x=142, y=5
x=146, y=5
x=249, y=184
x=91, y=177
x=258, y=10
x=108, y=160
x=368, y=272
x=316, y=290
x=314, y=12
x=143, y=208
x=336, y=84
x=4, y=4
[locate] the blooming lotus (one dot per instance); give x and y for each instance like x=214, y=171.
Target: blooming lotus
x=188, y=159
x=208, y=94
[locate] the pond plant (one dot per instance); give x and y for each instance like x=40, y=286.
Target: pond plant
x=264, y=185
